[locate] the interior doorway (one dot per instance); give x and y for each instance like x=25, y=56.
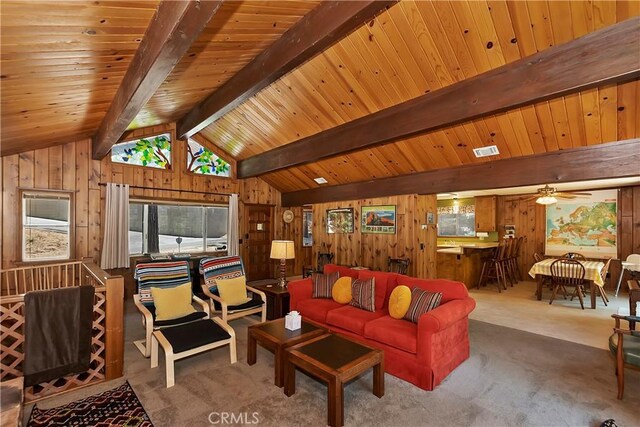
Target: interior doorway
x=256, y=241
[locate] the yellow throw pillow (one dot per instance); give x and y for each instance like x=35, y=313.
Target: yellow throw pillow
x=233, y=291
x=399, y=301
x=341, y=291
x=172, y=303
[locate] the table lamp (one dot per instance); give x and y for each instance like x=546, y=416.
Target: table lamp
x=282, y=250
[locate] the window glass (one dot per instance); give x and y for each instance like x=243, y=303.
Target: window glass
x=203, y=161
x=457, y=220
x=216, y=228
x=46, y=225
x=307, y=227
x=153, y=152
x=173, y=228
x=136, y=228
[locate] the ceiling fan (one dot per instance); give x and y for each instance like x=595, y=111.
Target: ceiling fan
x=549, y=195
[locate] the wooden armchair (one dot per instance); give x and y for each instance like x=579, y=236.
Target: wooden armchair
x=228, y=267
x=574, y=255
x=634, y=299
x=161, y=274
x=625, y=346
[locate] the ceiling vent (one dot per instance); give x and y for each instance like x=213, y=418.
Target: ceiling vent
x=491, y=150
x=320, y=180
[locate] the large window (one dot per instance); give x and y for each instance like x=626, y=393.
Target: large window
x=46, y=226
x=456, y=218
x=176, y=228
x=153, y=152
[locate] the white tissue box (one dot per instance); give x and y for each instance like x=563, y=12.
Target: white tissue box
x=293, y=321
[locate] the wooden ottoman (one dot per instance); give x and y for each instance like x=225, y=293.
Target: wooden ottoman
x=191, y=338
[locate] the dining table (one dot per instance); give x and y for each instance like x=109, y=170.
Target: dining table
x=592, y=269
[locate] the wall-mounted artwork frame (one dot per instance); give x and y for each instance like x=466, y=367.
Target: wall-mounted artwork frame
x=378, y=219
x=340, y=221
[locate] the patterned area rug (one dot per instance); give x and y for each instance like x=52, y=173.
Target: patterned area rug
x=117, y=407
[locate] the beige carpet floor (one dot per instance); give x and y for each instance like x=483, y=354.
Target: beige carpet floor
x=513, y=378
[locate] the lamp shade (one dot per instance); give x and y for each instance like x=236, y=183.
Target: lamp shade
x=546, y=200
x=282, y=249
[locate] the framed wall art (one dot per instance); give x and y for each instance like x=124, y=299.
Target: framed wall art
x=379, y=219
x=340, y=221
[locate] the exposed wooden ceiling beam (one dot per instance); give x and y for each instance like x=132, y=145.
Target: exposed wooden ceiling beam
x=174, y=27
x=606, y=56
x=324, y=25
x=613, y=160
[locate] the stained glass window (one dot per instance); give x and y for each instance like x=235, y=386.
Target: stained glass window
x=154, y=152
x=203, y=161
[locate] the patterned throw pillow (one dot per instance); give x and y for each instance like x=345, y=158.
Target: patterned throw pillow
x=421, y=302
x=323, y=283
x=363, y=294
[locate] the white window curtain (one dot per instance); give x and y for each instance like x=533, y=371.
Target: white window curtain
x=233, y=246
x=115, y=247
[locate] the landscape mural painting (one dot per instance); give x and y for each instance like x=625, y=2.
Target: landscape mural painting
x=587, y=225
x=340, y=221
x=379, y=219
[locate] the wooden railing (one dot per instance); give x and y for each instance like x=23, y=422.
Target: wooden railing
x=108, y=331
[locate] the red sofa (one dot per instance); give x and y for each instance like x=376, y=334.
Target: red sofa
x=424, y=353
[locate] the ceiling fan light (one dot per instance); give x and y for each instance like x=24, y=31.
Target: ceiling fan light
x=546, y=200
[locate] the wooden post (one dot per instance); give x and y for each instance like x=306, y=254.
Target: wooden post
x=114, y=360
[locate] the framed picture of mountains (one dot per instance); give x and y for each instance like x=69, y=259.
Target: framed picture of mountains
x=379, y=219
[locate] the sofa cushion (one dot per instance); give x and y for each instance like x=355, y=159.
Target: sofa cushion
x=316, y=308
x=450, y=289
x=344, y=271
x=383, y=280
x=363, y=294
x=352, y=319
x=399, y=301
x=421, y=302
x=396, y=333
x=341, y=291
x=323, y=284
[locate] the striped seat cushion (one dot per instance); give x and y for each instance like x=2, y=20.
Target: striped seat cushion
x=363, y=294
x=226, y=267
x=323, y=284
x=421, y=302
x=160, y=275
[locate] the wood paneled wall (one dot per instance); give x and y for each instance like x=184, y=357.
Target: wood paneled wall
x=70, y=167
x=529, y=219
x=373, y=250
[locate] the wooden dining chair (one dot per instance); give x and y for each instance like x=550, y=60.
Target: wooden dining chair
x=398, y=265
x=566, y=272
x=574, y=255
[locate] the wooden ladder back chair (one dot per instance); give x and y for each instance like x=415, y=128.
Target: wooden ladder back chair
x=398, y=265
x=494, y=268
x=161, y=274
x=229, y=267
x=567, y=272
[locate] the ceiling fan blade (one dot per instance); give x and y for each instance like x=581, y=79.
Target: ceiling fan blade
x=565, y=196
x=570, y=193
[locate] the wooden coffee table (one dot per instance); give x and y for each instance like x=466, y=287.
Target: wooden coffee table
x=336, y=360
x=273, y=336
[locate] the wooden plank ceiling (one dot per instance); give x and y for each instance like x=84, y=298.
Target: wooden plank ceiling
x=416, y=47
x=62, y=64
